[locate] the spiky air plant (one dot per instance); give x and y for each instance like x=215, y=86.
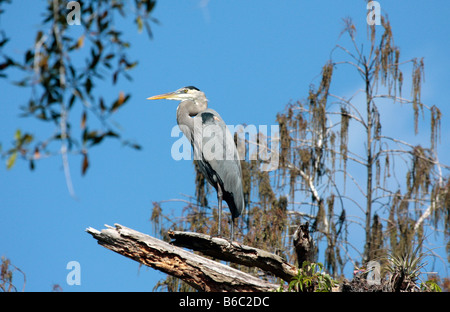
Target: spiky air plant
x=405, y=269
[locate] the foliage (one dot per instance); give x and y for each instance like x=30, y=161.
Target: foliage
x=405, y=269
x=436, y=284
x=62, y=69
x=399, y=273
x=311, y=278
x=430, y=286
x=7, y=270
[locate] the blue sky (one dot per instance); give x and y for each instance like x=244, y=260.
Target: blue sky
x=250, y=57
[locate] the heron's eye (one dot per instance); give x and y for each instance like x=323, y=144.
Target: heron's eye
x=186, y=90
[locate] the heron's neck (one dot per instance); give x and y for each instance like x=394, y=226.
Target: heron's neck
x=186, y=111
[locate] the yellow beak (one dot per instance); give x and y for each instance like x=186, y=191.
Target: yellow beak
x=161, y=96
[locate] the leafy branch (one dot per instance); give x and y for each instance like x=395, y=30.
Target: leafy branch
x=63, y=70
x=311, y=278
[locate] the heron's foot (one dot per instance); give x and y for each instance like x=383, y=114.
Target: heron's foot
x=229, y=240
x=216, y=236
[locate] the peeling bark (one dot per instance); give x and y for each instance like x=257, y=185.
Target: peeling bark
x=199, y=272
x=223, y=249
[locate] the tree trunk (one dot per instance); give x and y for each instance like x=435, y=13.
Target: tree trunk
x=367, y=246
x=303, y=243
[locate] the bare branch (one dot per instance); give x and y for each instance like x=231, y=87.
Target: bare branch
x=199, y=272
x=222, y=249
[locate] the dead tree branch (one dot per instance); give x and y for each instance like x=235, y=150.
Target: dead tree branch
x=303, y=243
x=223, y=249
x=199, y=272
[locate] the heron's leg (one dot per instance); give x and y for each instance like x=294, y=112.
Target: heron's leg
x=232, y=229
x=219, y=198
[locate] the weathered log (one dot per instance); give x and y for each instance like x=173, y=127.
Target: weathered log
x=199, y=272
x=235, y=252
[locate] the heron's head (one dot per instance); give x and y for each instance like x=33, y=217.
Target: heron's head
x=186, y=93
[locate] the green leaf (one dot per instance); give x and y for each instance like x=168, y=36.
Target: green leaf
x=139, y=23
x=11, y=160
x=17, y=135
x=27, y=138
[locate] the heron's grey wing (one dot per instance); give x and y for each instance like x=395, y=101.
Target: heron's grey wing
x=220, y=161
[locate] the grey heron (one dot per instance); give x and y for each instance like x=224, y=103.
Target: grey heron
x=214, y=148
